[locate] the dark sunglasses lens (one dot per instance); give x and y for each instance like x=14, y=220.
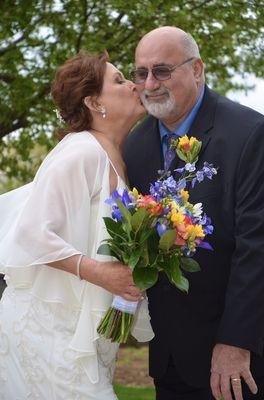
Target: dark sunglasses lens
x=161, y=73
x=139, y=75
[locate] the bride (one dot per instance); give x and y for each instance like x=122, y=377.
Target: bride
x=58, y=288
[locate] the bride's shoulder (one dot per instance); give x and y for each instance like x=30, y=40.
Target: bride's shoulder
x=74, y=151
x=81, y=145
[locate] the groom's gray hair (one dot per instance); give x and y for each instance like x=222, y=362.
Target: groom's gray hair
x=190, y=46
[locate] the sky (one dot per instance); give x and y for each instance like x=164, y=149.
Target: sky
x=254, y=98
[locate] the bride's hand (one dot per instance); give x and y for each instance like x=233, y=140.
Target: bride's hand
x=116, y=278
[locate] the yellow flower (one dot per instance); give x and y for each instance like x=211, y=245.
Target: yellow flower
x=185, y=195
x=183, y=141
x=192, y=141
x=135, y=193
x=177, y=217
x=186, y=144
x=195, y=231
x=174, y=205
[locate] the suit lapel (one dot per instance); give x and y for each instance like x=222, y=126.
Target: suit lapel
x=153, y=151
x=202, y=125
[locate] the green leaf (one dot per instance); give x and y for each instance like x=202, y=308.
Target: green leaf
x=172, y=269
x=114, y=228
x=183, y=285
x=124, y=211
x=134, y=258
x=145, y=278
x=147, y=235
x=138, y=218
x=174, y=273
x=167, y=240
x=106, y=250
x=181, y=155
x=110, y=250
x=189, y=264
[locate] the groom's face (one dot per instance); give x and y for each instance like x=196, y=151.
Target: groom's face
x=173, y=97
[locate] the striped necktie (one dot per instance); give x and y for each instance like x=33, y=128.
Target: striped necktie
x=169, y=154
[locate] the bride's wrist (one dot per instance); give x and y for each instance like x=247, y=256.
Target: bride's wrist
x=89, y=270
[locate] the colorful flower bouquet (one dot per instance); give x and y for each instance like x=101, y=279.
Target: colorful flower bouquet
x=156, y=232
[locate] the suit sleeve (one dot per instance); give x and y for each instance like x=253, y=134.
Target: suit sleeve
x=242, y=323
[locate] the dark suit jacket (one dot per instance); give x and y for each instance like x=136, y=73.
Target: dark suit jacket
x=225, y=303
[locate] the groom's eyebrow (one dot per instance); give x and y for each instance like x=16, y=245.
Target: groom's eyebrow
x=162, y=64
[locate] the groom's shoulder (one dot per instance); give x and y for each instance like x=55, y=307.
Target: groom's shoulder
x=141, y=134
x=145, y=127
x=232, y=112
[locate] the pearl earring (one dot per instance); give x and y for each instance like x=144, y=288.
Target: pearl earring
x=103, y=112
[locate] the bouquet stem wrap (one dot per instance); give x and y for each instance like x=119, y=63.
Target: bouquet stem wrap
x=117, y=322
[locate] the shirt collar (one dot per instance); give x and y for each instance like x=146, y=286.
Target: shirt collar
x=184, y=127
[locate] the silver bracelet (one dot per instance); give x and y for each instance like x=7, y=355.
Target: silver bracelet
x=78, y=266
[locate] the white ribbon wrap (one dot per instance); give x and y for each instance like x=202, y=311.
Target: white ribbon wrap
x=123, y=305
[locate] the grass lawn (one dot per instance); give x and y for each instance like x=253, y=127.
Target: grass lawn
x=134, y=393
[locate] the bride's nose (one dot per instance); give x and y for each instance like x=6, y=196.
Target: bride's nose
x=131, y=85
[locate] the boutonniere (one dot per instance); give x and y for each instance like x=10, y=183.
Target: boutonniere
x=186, y=148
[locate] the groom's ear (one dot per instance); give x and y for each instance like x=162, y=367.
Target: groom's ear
x=198, y=69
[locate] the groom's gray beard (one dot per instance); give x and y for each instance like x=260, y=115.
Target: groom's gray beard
x=157, y=109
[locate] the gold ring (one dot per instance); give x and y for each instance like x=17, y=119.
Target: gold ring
x=236, y=379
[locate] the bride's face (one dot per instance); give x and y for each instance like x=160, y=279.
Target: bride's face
x=119, y=97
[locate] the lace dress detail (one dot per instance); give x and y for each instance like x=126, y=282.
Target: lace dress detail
x=39, y=336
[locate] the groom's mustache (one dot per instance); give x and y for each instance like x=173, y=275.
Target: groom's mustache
x=146, y=93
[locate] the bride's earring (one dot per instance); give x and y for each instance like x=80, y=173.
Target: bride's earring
x=103, y=112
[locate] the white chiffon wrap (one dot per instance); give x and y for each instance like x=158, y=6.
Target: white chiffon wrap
x=58, y=215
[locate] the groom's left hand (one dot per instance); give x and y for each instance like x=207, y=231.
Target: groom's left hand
x=229, y=365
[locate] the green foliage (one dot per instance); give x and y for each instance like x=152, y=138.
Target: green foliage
x=134, y=393
x=37, y=36
x=167, y=240
x=146, y=254
x=190, y=265
x=145, y=278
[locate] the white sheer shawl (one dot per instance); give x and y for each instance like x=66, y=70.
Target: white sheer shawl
x=58, y=215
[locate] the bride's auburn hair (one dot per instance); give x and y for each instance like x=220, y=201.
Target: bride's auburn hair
x=79, y=77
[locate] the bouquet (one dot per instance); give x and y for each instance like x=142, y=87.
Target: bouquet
x=160, y=231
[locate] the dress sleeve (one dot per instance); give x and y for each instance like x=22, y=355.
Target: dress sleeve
x=51, y=221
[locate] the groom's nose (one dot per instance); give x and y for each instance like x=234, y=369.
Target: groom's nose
x=151, y=83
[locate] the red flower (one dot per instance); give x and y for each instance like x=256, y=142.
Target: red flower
x=186, y=147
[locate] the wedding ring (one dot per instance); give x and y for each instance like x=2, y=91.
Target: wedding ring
x=236, y=379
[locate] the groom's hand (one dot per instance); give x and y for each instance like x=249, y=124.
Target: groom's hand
x=229, y=366
x=116, y=278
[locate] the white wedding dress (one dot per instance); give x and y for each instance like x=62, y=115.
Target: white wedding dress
x=49, y=346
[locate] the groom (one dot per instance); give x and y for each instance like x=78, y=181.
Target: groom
x=208, y=344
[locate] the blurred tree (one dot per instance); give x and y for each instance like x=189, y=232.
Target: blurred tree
x=38, y=35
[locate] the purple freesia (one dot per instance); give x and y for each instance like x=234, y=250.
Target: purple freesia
x=180, y=170
x=161, y=228
x=125, y=198
x=209, y=170
x=158, y=190
x=116, y=213
x=190, y=167
x=205, y=245
x=207, y=225
x=181, y=185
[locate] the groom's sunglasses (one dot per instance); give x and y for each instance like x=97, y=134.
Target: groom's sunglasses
x=160, y=72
